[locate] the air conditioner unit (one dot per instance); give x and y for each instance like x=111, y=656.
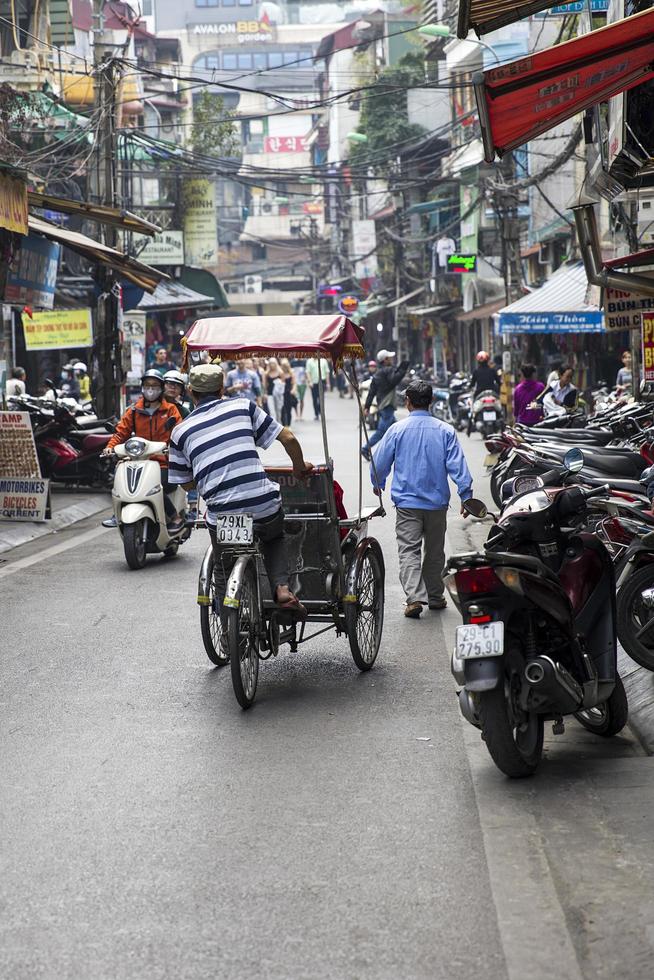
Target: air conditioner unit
x=266, y=207
x=253, y=284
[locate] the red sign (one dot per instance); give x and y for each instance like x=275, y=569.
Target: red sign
x=312, y=207
x=285, y=144
x=648, y=348
x=524, y=98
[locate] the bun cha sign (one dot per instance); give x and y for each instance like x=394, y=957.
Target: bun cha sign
x=237, y=31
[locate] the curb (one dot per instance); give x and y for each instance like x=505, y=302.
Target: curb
x=13, y=537
x=639, y=685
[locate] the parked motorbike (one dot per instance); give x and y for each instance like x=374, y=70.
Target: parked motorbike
x=486, y=414
x=69, y=454
x=138, y=501
x=459, y=387
x=539, y=636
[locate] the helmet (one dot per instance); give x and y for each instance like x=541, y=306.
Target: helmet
x=80, y=366
x=67, y=367
x=154, y=375
x=482, y=356
x=176, y=377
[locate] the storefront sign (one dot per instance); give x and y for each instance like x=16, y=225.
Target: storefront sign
x=13, y=204
x=134, y=345
x=622, y=310
x=461, y=263
x=238, y=31
x=312, y=207
x=58, y=330
x=23, y=500
x=200, y=229
x=587, y=321
x=166, y=248
x=648, y=347
x=577, y=7
x=285, y=144
x=32, y=283
x=17, y=449
x=348, y=305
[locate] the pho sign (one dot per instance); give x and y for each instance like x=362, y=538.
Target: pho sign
x=648, y=347
x=622, y=310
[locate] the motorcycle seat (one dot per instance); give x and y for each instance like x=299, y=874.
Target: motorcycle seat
x=95, y=442
x=596, y=479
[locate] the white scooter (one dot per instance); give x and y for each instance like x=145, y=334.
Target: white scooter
x=138, y=502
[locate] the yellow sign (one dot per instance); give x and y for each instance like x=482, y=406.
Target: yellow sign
x=13, y=204
x=58, y=330
x=200, y=222
x=648, y=348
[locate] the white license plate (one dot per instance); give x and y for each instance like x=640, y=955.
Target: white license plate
x=485, y=640
x=234, y=529
x=490, y=416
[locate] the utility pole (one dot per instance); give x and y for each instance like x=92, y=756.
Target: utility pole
x=507, y=207
x=106, y=363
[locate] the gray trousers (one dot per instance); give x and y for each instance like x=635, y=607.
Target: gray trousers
x=421, y=550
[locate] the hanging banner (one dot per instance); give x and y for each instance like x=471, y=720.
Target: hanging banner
x=134, y=346
x=200, y=223
x=648, y=347
x=58, y=330
x=622, y=310
x=13, y=204
x=32, y=282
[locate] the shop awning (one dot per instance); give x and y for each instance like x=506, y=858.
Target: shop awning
x=101, y=213
x=424, y=310
x=481, y=312
x=522, y=99
x=137, y=272
x=203, y=281
x=482, y=16
x=403, y=299
x=173, y=296
x=562, y=305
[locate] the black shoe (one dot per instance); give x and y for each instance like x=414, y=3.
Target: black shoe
x=174, y=527
x=110, y=522
x=440, y=603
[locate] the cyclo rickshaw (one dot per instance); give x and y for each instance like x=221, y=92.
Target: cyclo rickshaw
x=336, y=568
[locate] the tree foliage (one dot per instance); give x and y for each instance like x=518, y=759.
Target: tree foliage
x=384, y=115
x=213, y=133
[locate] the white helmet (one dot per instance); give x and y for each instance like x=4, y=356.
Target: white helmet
x=176, y=377
x=80, y=366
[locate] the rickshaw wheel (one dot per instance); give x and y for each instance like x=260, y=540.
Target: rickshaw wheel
x=243, y=640
x=365, y=617
x=211, y=626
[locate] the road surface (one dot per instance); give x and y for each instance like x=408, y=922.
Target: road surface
x=348, y=826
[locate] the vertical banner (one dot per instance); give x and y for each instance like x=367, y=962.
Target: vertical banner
x=200, y=222
x=647, y=335
x=134, y=346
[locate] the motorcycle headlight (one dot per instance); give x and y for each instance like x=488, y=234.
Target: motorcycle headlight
x=135, y=447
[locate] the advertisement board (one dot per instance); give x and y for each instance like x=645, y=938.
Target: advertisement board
x=364, y=246
x=32, y=281
x=648, y=347
x=23, y=500
x=166, y=248
x=134, y=344
x=23, y=492
x=13, y=204
x=200, y=222
x=58, y=330
x=622, y=310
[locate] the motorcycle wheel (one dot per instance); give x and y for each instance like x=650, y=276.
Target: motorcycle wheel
x=513, y=738
x=635, y=618
x=135, y=538
x=496, y=479
x=610, y=717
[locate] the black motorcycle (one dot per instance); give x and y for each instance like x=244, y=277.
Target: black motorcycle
x=539, y=636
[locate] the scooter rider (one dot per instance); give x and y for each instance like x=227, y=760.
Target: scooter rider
x=484, y=377
x=153, y=418
x=175, y=391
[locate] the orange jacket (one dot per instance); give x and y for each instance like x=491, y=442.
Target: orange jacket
x=137, y=422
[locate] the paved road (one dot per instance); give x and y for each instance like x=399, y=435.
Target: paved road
x=349, y=826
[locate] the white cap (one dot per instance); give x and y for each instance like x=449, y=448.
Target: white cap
x=383, y=354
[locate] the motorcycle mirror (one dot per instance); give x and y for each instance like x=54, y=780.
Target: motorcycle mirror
x=573, y=460
x=475, y=508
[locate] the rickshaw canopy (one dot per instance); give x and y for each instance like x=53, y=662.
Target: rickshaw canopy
x=326, y=335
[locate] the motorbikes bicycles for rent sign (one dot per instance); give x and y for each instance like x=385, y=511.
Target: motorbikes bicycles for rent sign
x=648, y=346
x=23, y=491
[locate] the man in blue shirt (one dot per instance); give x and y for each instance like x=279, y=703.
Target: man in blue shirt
x=243, y=383
x=423, y=451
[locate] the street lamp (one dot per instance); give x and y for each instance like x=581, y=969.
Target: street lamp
x=442, y=30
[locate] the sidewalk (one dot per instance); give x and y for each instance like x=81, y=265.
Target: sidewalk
x=67, y=508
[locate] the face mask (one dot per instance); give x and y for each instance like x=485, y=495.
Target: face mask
x=151, y=394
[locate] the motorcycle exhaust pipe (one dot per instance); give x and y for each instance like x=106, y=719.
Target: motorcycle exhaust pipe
x=554, y=683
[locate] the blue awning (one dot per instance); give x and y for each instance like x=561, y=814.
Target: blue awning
x=562, y=305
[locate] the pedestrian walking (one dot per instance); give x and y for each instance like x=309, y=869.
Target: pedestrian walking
x=274, y=387
x=384, y=382
x=289, y=396
x=242, y=381
x=525, y=394
x=316, y=368
x=624, y=377
x=300, y=371
x=423, y=452
x=162, y=361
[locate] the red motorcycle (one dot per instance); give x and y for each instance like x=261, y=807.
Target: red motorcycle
x=70, y=455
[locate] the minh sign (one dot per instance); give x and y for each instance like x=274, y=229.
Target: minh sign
x=240, y=31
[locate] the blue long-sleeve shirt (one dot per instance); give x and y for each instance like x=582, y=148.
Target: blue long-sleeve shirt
x=423, y=451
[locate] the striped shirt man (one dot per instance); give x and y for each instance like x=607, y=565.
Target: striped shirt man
x=216, y=445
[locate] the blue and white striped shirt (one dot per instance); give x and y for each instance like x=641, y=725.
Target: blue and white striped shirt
x=216, y=445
